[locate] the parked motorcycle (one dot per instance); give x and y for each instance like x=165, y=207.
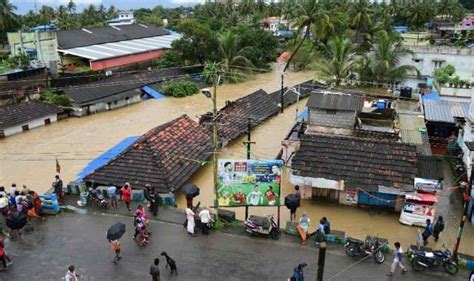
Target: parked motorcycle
x=422, y=260
x=262, y=226
x=98, y=198
x=358, y=248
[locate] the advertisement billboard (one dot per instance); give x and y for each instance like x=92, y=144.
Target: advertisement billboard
x=249, y=182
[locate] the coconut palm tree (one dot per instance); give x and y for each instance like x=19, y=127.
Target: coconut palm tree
x=361, y=14
x=47, y=14
x=336, y=60
x=233, y=62
x=71, y=7
x=305, y=14
x=7, y=15
x=382, y=63
x=247, y=7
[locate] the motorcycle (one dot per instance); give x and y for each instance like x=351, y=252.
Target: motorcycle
x=421, y=260
x=369, y=247
x=262, y=226
x=98, y=198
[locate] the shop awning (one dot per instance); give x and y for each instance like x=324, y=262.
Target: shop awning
x=422, y=197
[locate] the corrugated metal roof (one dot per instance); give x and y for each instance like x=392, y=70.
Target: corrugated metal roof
x=74, y=38
x=123, y=48
x=336, y=101
x=445, y=111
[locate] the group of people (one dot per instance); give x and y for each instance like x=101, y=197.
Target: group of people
x=304, y=224
x=205, y=219
x=141, y=226
x=431, y=230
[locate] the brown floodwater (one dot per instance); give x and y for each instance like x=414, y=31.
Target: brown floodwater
x=29, y=158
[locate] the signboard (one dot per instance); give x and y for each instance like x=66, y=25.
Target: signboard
x=427, y=185
x=249, y=182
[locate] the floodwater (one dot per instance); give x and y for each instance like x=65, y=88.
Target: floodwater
x=29, y=158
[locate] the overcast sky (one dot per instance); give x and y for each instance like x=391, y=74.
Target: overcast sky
x=23, y=6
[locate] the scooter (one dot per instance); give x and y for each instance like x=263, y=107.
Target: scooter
x=358, y=248
x=422, y=260
x=256, y=225
x=98, y=198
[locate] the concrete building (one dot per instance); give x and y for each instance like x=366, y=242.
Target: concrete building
x=123, y=18
x=41, y=45
x=99, y=48
x=333, y=110
x=428, y=58
x=23, y=117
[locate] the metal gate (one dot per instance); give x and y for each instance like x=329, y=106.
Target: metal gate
x=378, y=200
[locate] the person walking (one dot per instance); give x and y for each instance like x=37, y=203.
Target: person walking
x=155, y=270
x=303, y=227
x=397, y=260
x=58, y=188
x=191, y=224
x=112, y=192
x=71, y=274
x=126, y=193
x=205, y=218
x=427, y=232
x=298, y=272
x=115, y=245
x=321, y=231
x=327, y=226
x=438, y=228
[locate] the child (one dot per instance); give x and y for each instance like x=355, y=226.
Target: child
x=397, y=260
x=115, y=245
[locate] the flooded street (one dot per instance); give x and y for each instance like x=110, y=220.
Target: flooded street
x=29, y=158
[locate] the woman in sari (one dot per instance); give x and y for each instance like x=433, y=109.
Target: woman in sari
x=303, y=228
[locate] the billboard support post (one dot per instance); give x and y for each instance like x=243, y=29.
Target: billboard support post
x=249, y=143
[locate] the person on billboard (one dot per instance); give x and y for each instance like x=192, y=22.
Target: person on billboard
x=227, y=175
x=276, y=173
x=271, y=196
x=239, y=197
x=224, y=199
x=255, y=197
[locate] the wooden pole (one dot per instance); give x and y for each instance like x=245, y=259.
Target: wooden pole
x=321, y=261
x=214, y=135
x=465, y=198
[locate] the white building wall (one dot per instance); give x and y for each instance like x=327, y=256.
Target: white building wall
x=427, y=59
x=31, y=125
x=103, y=106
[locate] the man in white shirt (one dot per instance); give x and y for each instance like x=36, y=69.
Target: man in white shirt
x=205, y=217
x=112, y=192
x=255, y=197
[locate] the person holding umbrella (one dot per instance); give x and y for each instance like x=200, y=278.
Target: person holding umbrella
x=114, y=233
x=16, y=221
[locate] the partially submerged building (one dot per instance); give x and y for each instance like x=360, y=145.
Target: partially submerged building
x=354, y=170
x=25, y=116
x=165, y=157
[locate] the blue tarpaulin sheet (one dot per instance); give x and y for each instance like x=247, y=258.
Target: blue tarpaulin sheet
x=431, y=96
x=303, y=114
x=106, y=157
x=153, y=93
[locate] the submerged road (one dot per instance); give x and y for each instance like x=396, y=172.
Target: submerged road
x=70, y=238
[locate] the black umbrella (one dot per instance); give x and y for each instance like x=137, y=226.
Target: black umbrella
x=190, y=190
x=116, y=231
x=292, y=201
x=16, y=220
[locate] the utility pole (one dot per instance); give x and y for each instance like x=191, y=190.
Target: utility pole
x=321, y=261
x=466, y=197
x=282, y=99
x=249, y=143
x=214, y=134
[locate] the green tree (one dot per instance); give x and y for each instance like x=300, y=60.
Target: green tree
x=47, y=14
x=71, y=7
x=233, y=61
x=336, y=61
x=382, y=63
x=306, y=14
x=7, y=15
x=361, y=14
x=169, y=59
x=258, y=45
x=198, y=44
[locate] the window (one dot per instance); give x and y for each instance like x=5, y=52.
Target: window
x=25, y=127
x=331, y=111
x=437, y=64
x=47, y=121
